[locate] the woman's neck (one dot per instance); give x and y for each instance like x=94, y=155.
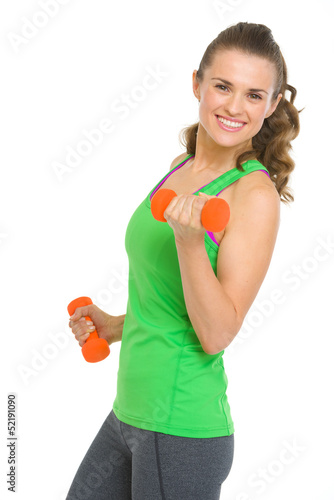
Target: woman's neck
x=211, y=156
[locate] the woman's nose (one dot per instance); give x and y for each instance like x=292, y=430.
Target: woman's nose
x=234, y=106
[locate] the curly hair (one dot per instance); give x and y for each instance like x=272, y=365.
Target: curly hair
x=272, y=143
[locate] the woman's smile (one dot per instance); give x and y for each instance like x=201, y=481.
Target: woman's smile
x=229, y=125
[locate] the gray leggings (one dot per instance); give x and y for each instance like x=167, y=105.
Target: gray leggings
x=125, y=462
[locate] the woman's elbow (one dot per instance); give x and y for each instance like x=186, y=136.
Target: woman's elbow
x=222, y=341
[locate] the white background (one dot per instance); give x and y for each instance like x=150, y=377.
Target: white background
x=63, y=238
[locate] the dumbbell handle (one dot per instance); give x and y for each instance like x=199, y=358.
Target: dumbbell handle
x=95, y=348
x=215, y=213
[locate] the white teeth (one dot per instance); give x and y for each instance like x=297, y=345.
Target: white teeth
x=230, y=124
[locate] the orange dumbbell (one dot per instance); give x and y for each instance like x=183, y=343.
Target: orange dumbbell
x=94, y=349
x=215, y=213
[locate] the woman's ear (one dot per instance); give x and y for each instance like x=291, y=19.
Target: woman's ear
x=196, y=85
x=274, y=105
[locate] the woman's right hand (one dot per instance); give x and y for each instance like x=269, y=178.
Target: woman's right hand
x=102, y=323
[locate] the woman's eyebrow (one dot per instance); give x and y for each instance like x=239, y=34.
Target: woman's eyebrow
x=231, y=85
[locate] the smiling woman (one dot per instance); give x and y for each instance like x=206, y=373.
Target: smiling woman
x=248, y=61
x=171, y=431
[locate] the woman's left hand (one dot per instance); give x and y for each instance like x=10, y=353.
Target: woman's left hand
x=183, y=215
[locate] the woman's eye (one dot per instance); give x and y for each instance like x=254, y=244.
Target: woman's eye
x=257, y=97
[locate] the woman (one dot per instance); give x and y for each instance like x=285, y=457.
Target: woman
x=170, y=434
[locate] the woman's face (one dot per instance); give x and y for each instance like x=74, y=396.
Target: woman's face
x=232, y=98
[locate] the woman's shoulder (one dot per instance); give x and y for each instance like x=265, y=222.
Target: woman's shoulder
x=178, y=159
x=255, y=193
x=256, y=180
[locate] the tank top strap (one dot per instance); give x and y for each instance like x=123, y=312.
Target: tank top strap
x=156, y=187
x=214, y=187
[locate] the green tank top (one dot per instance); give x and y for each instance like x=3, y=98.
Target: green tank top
x=165, y=381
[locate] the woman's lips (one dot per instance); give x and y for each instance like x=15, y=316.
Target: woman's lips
x=227, y=128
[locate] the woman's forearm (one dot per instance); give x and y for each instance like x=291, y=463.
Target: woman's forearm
x=117, y=323
x=210, y=310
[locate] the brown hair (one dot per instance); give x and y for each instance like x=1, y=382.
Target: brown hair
x=271, y=144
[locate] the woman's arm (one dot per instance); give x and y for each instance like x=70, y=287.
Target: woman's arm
x=116, y=324
x=218, y=305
